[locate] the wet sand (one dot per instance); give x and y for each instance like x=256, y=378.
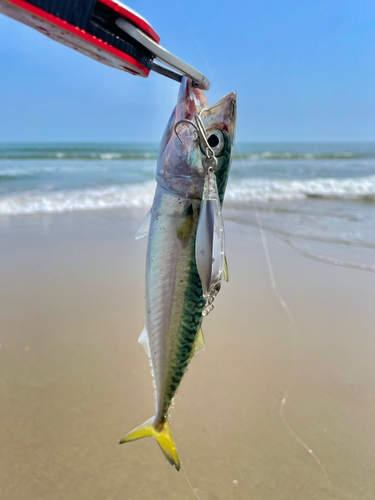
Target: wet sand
x=74, y=380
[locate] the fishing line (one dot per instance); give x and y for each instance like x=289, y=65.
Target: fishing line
x=271, y=272
x=203, y=55
x=294, y=330
x=274, y=287
x=296, y=437
x=189, y=483
x=199, y=46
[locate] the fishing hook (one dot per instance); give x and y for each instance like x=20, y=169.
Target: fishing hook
x=184, y=121
x=202, y=135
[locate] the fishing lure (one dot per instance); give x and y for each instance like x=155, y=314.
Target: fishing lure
x=210, y=239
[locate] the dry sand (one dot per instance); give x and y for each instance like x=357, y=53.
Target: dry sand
x=73, y=379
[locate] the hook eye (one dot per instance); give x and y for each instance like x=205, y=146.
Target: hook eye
x=203, y=137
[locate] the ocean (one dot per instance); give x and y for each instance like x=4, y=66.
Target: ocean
x=319, y=197
x=290, y=345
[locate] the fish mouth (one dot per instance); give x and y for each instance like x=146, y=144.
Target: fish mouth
x=192, y=101
x=232, y=96
x=229, y=100
x=222, y=114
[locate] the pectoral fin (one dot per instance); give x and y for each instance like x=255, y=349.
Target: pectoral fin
x=144, y=227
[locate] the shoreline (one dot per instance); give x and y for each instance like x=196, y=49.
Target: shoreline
x=73, y=294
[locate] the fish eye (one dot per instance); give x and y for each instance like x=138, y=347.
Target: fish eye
x=215, y=139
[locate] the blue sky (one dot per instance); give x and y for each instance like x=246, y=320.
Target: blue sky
x=304, y=71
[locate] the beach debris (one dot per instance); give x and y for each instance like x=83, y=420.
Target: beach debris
x=185, y=254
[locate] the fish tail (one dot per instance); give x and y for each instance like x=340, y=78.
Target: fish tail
x=162, y=433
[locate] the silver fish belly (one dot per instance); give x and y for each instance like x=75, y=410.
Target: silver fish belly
x=174, y=301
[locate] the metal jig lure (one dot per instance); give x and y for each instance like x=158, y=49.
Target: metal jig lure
x=210, y=239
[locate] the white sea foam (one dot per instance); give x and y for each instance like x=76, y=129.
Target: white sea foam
x=141, y=195
x=277, y=190
x=109, y=156
x=133, y=195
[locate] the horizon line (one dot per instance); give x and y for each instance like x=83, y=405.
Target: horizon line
x=93, y=142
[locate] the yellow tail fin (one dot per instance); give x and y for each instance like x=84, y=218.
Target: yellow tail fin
x=163, y=436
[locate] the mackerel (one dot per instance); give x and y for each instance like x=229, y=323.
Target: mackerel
x=174, y=294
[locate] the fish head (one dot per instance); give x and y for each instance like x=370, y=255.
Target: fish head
x=182, y=163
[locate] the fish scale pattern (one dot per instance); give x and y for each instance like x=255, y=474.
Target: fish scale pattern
x=191, y=317
x=194, y=302
x=190, y=323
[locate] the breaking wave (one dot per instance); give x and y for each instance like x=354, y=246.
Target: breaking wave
x=76, y=155
x=133, y=195
x=141, y=195
x=359, y=188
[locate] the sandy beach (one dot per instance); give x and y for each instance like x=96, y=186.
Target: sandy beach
x=267, y=389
